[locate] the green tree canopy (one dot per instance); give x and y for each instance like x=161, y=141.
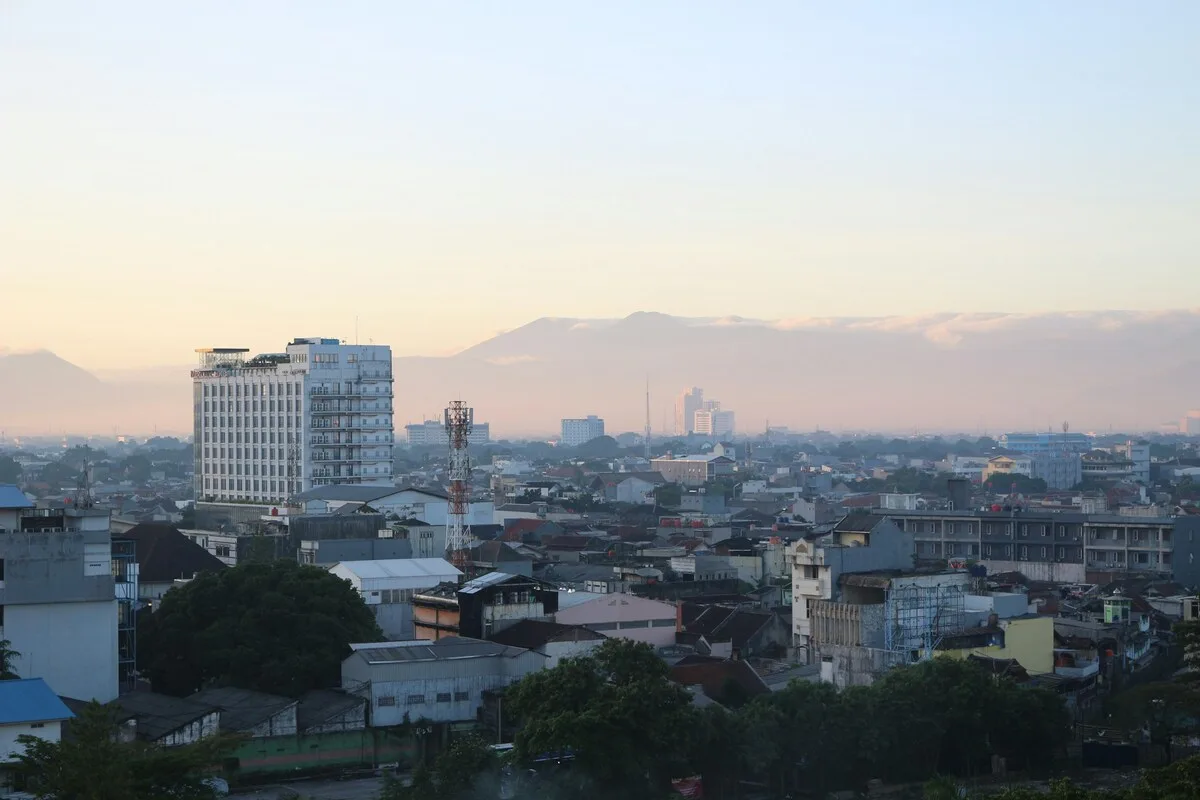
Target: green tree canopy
x=615, y=709
x=276, y=627
x=8, y=661
x=94, y=764
x=10, y=470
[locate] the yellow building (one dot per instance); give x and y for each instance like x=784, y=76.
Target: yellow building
x=1028, y=638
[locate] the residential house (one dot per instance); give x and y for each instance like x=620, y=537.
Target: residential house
x=693, y=470
x=387, y=587
x=634, y=488
x=405, y=502
x=738, y=632
x=626, y=616
x=441, y=681
x=167, y=557
x=28, y=707
x=231, y=548
x=251, y=713
x=718, y=680
x=999, y=467
x=167, y=721
x=481, y=606
x=554, y=640
x=499, y=556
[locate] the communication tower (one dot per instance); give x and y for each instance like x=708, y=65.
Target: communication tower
x=646, y=435
x=459, y=420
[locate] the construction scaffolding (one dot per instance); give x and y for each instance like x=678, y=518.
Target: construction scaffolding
x=918, y=617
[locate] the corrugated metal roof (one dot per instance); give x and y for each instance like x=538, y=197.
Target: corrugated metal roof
x=440, y=650
x=30, y=700
x=400, y=568
x=484, y=581
x=12, y=497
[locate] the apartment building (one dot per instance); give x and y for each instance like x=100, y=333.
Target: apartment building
x=713, y=422
x=689, y=402
x=432, y=433
x=1045, y=443
x=578, y=431
x=58, y=602
x=1068, y=547
x=277, y=424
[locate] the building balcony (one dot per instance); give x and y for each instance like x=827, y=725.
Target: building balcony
x=808, y=587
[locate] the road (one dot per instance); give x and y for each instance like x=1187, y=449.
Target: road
x=360, y=789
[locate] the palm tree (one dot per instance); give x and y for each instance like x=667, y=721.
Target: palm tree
x=8, y=658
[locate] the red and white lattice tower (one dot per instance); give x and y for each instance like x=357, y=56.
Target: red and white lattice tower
x=460, y=419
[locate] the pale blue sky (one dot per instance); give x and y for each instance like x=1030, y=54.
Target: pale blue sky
x=239, y=173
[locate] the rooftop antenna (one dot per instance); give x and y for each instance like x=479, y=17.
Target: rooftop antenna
x=647, y=433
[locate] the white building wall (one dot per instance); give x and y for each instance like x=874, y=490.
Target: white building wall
x=263, y=434
x=557, y=651
x=10, y=748
x=578, y=431
x=72, y=646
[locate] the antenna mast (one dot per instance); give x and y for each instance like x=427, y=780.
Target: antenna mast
x=459, y=420
x=646, y=435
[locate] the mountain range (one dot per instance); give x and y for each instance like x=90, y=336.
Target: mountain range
x=943, y=372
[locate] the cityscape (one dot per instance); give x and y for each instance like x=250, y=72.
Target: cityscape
x=540, y=514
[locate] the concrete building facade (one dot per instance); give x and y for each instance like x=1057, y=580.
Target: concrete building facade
x=432, y=433
x=281, y=423
x=578, y=431
x=58, y=602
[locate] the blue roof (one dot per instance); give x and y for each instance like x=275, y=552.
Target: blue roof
x=30, y=700
x=12, y=497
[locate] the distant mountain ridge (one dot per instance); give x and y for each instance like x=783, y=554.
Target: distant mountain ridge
x=1131, y=370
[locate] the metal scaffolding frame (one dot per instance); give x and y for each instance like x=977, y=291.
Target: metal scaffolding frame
x=918, y=617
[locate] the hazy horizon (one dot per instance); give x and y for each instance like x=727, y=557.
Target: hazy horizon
x=186, y=174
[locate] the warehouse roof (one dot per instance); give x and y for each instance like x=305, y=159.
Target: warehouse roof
x=445, y=649
x=399, y=568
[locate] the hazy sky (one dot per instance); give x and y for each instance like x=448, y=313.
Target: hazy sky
x=177, y=174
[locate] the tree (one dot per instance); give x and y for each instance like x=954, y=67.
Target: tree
x=276, y=627
x=465, y=769
x=10, y=470
x=8, y=661
x=94, y=764
x=616, y=710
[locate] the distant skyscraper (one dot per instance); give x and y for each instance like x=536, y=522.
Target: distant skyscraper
x=691, y=401
x=577, y=431
x=713, y=422
x=281, y=423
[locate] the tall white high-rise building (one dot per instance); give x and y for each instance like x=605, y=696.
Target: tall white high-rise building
x=577, y=431
x=691, y=401
x=277, y=424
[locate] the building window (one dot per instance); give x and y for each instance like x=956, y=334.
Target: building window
x=415, y=700
x=460, y=697
x=987, y=551
x=444, y=697
x=387, y=700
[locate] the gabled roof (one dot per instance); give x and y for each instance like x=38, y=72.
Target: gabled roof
x=319, y=706
x=533, y=634
x=12, y=497
x=30, y=700
x=158, y=715
x=164, y=554
x=494, y=552
x=717, y=676
x=858, y=523
x=738, y=626
x=242, y=709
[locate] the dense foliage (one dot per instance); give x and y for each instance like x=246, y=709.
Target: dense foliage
x=277, y=627
x=92, y=763
x=630, y=730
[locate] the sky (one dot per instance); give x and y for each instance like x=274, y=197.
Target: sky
x=177, y=175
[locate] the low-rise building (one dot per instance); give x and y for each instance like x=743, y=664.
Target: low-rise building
x=858, y=543
x=251, y=713
x=388, y=587
x=481, y=606
x=626, y=616
x=165, y=720
x=442, y=681
x=693, y=470
x=167, y=557
x=554, y=640
x=1000, y=466
x=634, y=488
x=28, y=707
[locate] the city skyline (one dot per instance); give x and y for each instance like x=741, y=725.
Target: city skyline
x=174, y=164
